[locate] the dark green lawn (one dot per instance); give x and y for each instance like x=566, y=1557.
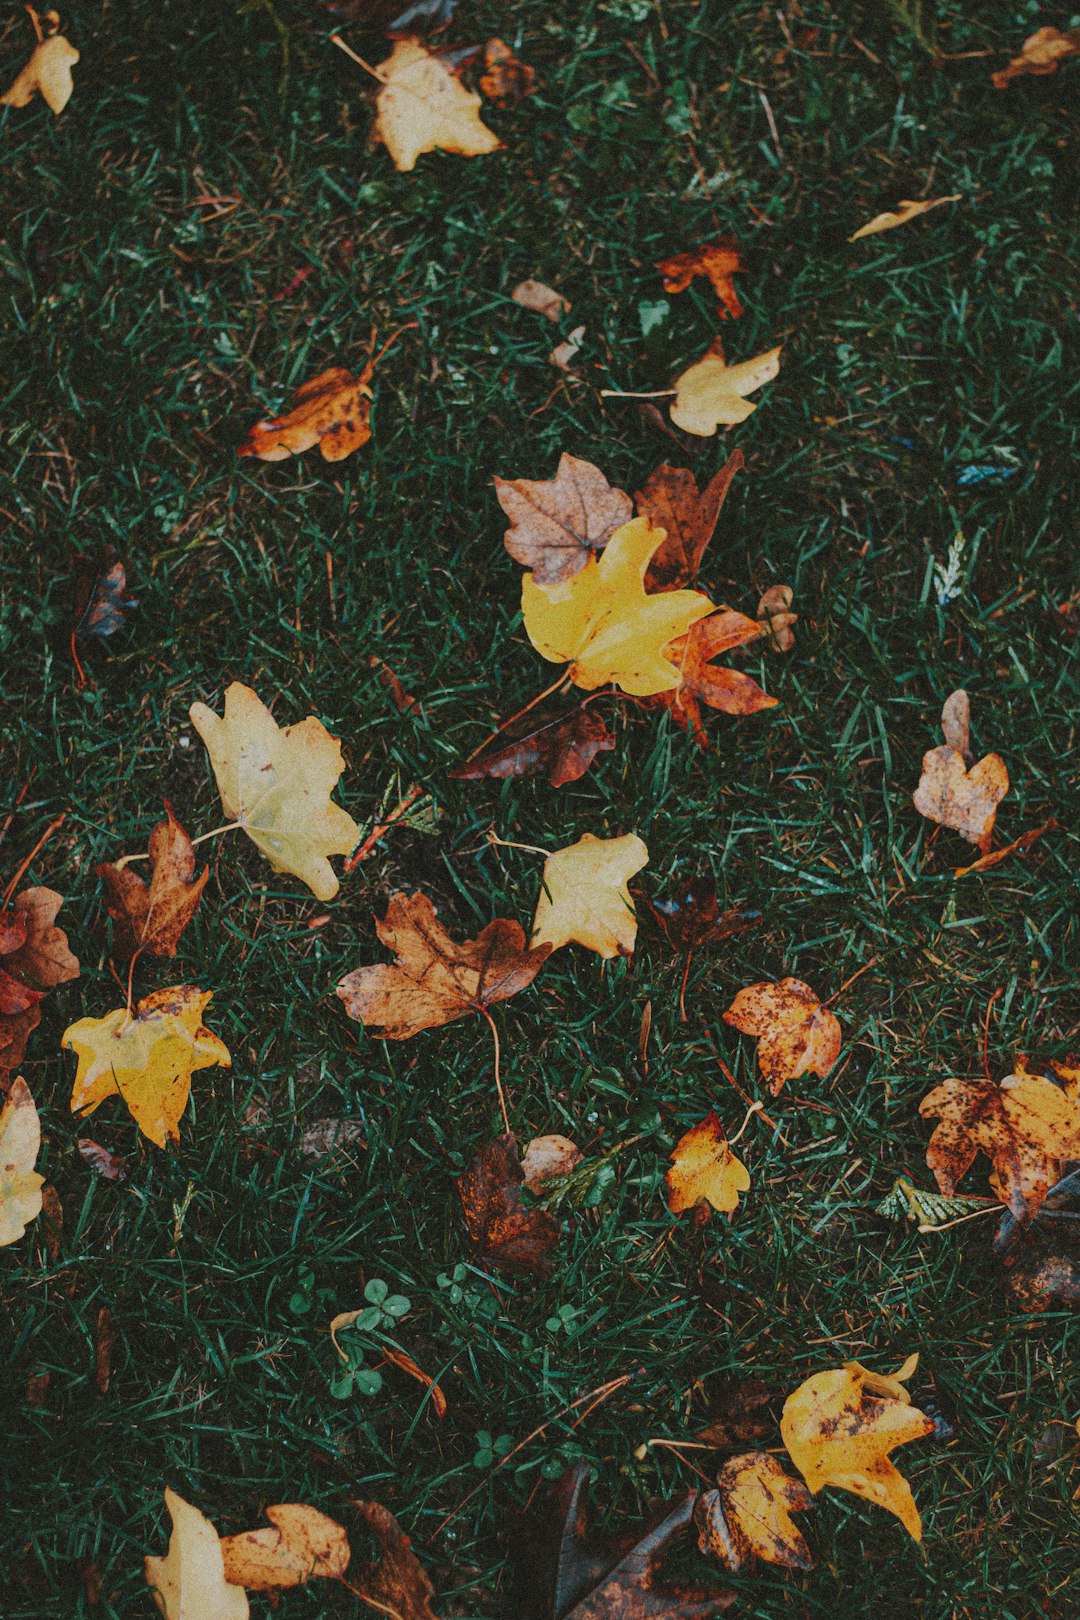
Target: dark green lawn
x=144, y=330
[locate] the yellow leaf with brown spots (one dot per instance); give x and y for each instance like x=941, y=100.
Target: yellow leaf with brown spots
x=332, y=410
x=300, y=1543
x=748, y=1516
x=796, y=1034
x=703, y=1166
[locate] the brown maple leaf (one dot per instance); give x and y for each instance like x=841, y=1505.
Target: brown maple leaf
x=719, y=261
x=506, y=79
x=152, y=916
x=34, y=957
x=671, y=500
x=701, y=681
x=562, y=748
x=397, y=1584
x=557, y=524
x=508, y=1235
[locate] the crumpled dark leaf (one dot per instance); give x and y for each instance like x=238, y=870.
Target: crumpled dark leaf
x=562, y=747
x=509, y=1236
x=101, y=600
x=692, y=917
x=1039, y=1264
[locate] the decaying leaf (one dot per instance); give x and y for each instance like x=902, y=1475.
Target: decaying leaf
x=701, y=681
x=899, y=215
x=1039, y=1261
x=556, y=524
x=507, y=1234
x=48, y=72
x=15, y=1030
x=711, y=394
x=604, y=625
x=740, y=1418
x=719, y=261
x=101, y=601
x=396, y=1585
x=561, y=748
x=584, y=895
x=671, y=501
x=20, y=1183
x=1028, y=1127
x=109, y=1166
x=703, y=1166
x=1040, y=53
x=433, y=978
x=423, y=107
x=775, y=617
x=838, y=1433
x=951, y=794
x=548, y=1158
x=34, y=958
x=748, y=1516
x=332, y=410
x=506, y=79
x=104, y=1341
x=152, y=916
x=542, y=300
x=906, y=1201
x=563, y=355
x=52, y=1221
x=276, y=784
x=189, y=1583
x=300, y=1543
x=796, y=1034
x=692, y=917
x=1017, y=847
x=147, y=1058
x=956, y=722
x=324, y=1138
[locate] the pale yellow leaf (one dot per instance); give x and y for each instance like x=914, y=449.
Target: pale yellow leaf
x=711, y=394
x=900, y=215
x=189, y=1583
x=20, y=1184
x=47, y=73
x=585, y=898
x=424, y=107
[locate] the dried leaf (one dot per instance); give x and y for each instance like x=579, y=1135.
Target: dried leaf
x=397, y=1358
x=701, y=681
x=956, y=722
x=332, y=410
x=433, y=978
x=711, y=394
x=719, y=261
x=703, y=1166
x=542, y=300
x=1039, y=1261
x=20, y=1183
x=548, y=1158
x=325, y=1137
x=109, y=1166
x=563, y=355
x=796, y=1034
x=1040, y=53
x=837, y=1433
x=748, y=1517
x=557, y=523
x=397, y=1585
x=302, y=1543
x=562, y=748
x=52, y=1221
x=692, y=918
x=508, y=1236
x=403, y=701
x=15, y=1030
x=148, y=1059
x=506, y=79
x=101, y=601
x=152, y=916
x=42, y=955
x=740, y=1418
x=964, y=800
x=900, y=215
x=276, y=784
x=423, y=107
x=47, y=73
x=1017, y=847
x=104, y=1340
x=189, y=1583
x=670, y=501
x=775, y=617
x=584, y=895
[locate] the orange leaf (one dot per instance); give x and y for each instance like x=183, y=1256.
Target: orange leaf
x=703, y=1166
x=152, y=916
x=796, y=1034
x=719, y=261
x=303, y=1542
x=700, y=681
x=1040, y=53
x=509, y=1236
x=331, y=410
x=670, y=501
x=506, y=78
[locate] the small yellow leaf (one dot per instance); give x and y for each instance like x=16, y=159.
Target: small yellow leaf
x=711, y=394
x=424, y=107
x=276, y=784
x=604, y=625
x=899, y=215
x=703, y=1166
x=20, y=1184
x=189, y=1583
x=585, y=898
x=48, y=72
x=749, y=1516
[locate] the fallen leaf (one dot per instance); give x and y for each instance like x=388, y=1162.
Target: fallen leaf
x=52, y=1221
x=956, y=722
x=926, y=1209
x=152, y=916
x=837, y=1433
x=563, y=355
x=741, y=1418
x=1027, y=1127
x=719, y=261
x=15, y=1030
x=506, y=79
x=711, y=394
x=556, y=524
x=104, y=1340
x=951, y=794
x=189, y=1583
x=90, y=1575
x=403, y=701
x=433, y=978
x=397, y=1358
x=796, y=1034
x=775, y=617
x=1040, y=53
x=692, y=918
x=325, y=1137
x=332, y=410
x=562, y=748
x=101, y=601
x=602, y=623
x=748, y=1516
x=888, y=1385
x=508, y=1236
x=37, y=1389
x=562, y=1572
x=20, y=1183
x=703, y=1166
x=584, y=895
x=109, y=1166
x=48, y=71
x=424, y=107
x=548, y=1158
x=701, y=681
x=276, y=784
x=43, y=956
x=900, y=215
x=301, y=1543
x=1039, y=1260
x=148, y=1059
x=671, y=501
x=397, y=1585
x=543, y=300
x=1017, y=847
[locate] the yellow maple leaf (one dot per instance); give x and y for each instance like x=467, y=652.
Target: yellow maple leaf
x=604, y=625
x=48, y=72
x=703, y=1166
x=189, y=1583
x=276, y=784
x=423, y=107
x=711, y=394
x=839, y=1432
x=748, y=1516
x=584, y=895
x=904, y=210
x=148, y=1059
x=20, y=1183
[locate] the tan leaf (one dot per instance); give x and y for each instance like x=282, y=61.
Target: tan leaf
x=542, y=300
x=44, y=956
x=671, y=501
x=796, y=1034
x=899, y=215
x=964, y=800
x=556, y=524
x=703, y=1166
x=563, y=355
x=775, y=617
x=20, y=1183
x=748, y=1516
x=1040, y=53
x=104, y=1340
x=547, y=1158
x=956, y=722
x=1017, y=847
x=584, y=895
x=47, y=73
x=152, y=916
x=719, y=261
x=332, y=410
x=189, y=1583
x=711, y=394
x=423, y=107
x=301, y=1543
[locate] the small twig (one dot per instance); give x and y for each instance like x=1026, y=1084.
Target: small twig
x=131, y=974
x=498, y=1080
x=679, y=1446
x=726, y=1072
x=773, y=131
x=548, y=691
x=849, y=982
x=381, y=828
x=19, y=797
x=359, y=60
x=406, y=326
x=682, y=987
x=986, y=1034
x=21, y=869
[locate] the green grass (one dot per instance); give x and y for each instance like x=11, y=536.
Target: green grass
x=142, y=334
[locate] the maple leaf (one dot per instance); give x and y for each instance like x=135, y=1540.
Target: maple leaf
x=775, y=617
x=701, y=681
x=796, y=1034
x=148, y=1059
x=604, y=625
x=20, y=1183
x=692, y=918
x=838, y=1432
x=1027, y=1127
x=556, y=524
x=101, y=602
x=300, y=1543
x=671, y=501
x=964, y=800
x=332, y=410
x=719, y=261
x=710, y=393
x=584, y=895
x=900, y=215
x=276, y=784
x=34, y=957
x=189, y=1583
x=748, y=1516
x=396, y=1584
x=544, y=300
x=433, y=978
x=152, y=916
x=1040, y=53
x=1039, y=1261
x=48, y=72
x=703, y=1166
x=424, y=107
x=562, y=748
x=508, y=1235
x=506, y=79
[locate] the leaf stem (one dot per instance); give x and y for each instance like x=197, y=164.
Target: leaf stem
x=499, y=729
x=492, y=837
x=337, y=40
x=498, y=1081
x=928, y=1226
x=755, y=1108
x=618, y=393
x=126, y=860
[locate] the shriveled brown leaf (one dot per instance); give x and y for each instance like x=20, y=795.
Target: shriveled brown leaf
x=900, y=215
x=433, y=978
x=404, y=1363
x=748, y=1519
x=547, y=1158
x=403, y=701
x=109, y=1166
x=396, y=1585
x=506, y=79
x=508, y=1236
x=152, y=916
x=796, y=1034
x=44, y=958
x=541, y=299
x=692, y=917
x=301, y=1543
x=557, y=524
x=1017, y=847
x=671, y=501
x=1039, y=1261
x=740, y=1418
x=964, y=800
x=15, y=1030
x=101, y=601
x=702, y=681
x=323, y=1138
x=52, y=1221
x=104, y=1340
x=331, y=410
x=719, y=261
x=1040, y=53
x=775, y=617
x=37, y=1389
x=561, y=748
x=563, y=355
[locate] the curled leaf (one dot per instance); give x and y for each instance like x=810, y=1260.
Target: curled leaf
x=1040, y=53
x=711, y=394
x=542, y=300
x=332, y=410
x=719, y=261
x=900, y=215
